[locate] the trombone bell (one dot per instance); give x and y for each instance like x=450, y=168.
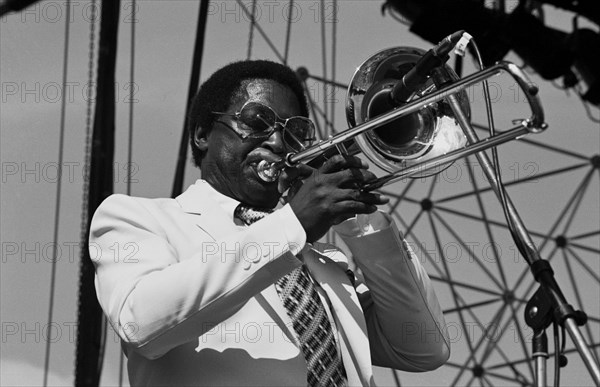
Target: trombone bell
x=413, y=138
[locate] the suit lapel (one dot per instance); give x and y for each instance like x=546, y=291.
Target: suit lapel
x=210, y=215
x=348, y=316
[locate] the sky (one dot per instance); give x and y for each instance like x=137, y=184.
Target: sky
x=31, y=65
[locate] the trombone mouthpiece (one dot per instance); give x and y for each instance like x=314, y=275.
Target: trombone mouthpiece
x=267, y=171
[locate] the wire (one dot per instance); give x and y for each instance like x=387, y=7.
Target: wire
x=88, y=136
x=88, y=126
x=61, y=145
x=251, y=33
x=131, y=99
x=326, y=106
x=333, y=57
x=557, y=353
x=130, y=135
x=520, y=244
x=288, y=32
x=203, y=10
x=258, y=28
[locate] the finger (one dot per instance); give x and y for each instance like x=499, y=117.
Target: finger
x=373, y=198
x=352, y=177
x=292, y=175
x=340, y=162
x=348, y=209
x=360, y=196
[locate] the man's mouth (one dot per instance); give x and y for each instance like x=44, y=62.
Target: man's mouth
x=258, y=156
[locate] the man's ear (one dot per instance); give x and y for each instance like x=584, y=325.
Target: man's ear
x=201, y=139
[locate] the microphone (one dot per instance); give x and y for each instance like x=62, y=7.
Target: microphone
x=435, y=57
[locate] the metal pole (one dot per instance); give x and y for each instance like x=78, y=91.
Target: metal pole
x=91, y=324
x=540, y=354
x=192, y=89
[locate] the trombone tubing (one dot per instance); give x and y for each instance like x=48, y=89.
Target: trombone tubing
x=534, y=123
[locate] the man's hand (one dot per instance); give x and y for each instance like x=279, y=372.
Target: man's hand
x=331, y=194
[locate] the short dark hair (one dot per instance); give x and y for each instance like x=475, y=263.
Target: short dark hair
x=222, y=89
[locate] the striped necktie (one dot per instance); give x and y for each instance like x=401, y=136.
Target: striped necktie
x=309, y=318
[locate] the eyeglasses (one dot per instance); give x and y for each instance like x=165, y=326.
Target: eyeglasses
x=259, y=121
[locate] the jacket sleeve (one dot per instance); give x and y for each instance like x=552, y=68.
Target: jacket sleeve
x=405, y=322
x=157, y=300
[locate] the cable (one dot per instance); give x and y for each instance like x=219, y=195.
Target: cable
x=131, y=100
x=251, y=33
x=88, y=137
x=130, y=135
x=61, y=144
x=521, y=245
x=192, y=88
x=333, y=56
x=288, y=32
x=557, y=353
x=523, y=248
x=92, y=323
x=326, y=106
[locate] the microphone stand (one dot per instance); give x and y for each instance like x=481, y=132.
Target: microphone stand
x=563, y=313
x=538, y=315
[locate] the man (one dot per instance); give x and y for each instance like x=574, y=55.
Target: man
x=225, y=285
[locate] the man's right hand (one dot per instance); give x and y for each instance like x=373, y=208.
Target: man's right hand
x=331, y=194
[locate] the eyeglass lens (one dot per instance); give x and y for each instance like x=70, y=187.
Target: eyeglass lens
x=261, y=119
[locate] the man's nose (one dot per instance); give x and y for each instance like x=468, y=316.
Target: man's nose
x=275, y=141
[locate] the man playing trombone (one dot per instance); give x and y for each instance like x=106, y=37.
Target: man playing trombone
x=228, y=285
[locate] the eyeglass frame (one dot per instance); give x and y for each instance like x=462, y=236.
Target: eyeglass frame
x=281, y=121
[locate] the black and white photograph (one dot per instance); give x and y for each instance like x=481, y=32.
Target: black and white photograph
x=320, y=193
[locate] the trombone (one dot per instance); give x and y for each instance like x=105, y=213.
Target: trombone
x=427, y=132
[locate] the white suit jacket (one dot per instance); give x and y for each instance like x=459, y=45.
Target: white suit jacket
x=191, y=293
